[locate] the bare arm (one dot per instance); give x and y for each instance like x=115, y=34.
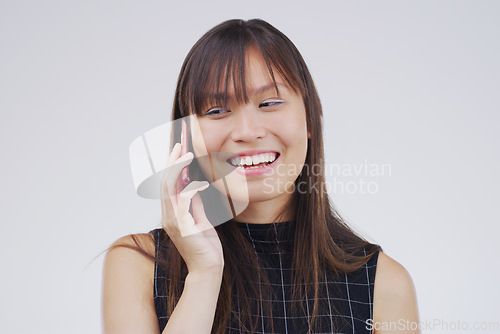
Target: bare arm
x=128, y=305
x=395, y=309
x=195, y=310
x=127, y=289
x=127, y=299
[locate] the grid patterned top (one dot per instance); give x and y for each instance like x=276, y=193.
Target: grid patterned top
x=346, y=303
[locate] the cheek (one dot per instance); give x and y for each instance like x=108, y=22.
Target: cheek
x=199, y=143
x=209, y=140
x=294, y=131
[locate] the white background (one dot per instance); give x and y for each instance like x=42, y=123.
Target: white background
x=413, y=84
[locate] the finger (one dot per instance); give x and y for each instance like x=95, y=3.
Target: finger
x=199, y=214
x=184, y=150
x=184, y=218
x=196, y=185
x=171, y=173
x=175, y=154
x=180, y=163
x=184, y=144
x=169, y=191
x=187, y=194
x=176, y=178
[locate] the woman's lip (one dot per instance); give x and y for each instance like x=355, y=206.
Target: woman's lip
x=256, y=171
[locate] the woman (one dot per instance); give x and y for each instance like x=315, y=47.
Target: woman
x=286, y=262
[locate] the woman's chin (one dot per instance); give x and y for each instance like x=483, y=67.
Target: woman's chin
x=243, y=191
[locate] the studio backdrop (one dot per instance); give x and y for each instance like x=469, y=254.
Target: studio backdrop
x=410, y=98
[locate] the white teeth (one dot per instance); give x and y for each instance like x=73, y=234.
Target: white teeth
x=253, y=161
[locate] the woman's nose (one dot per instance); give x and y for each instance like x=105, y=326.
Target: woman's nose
x=248, y=126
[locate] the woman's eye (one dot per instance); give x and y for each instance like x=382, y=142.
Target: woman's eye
x=271, y=103
x=215, y=112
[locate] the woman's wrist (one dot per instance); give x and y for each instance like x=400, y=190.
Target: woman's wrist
x=212, y=276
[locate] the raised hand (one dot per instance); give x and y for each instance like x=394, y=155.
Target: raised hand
x=193, y=235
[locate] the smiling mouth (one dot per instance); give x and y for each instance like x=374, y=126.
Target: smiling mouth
x=253, y=161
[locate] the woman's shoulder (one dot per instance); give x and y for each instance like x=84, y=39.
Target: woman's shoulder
x=133, y=255
x=394, y=292
x=392, y=278
x=391, y=272
x=140, y=241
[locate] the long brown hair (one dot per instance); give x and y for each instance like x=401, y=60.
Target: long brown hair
x=323, y=243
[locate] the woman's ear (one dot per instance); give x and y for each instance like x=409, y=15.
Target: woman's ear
x=308, y=135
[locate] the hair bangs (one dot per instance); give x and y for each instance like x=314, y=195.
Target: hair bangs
x=226, y=64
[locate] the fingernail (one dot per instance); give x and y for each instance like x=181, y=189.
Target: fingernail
x=185, y=177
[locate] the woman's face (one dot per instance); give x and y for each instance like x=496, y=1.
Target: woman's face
x=260, y=146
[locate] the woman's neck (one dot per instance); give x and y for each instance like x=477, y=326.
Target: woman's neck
x=264, y=212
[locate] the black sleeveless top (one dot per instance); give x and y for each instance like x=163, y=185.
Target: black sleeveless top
x=346, y=302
